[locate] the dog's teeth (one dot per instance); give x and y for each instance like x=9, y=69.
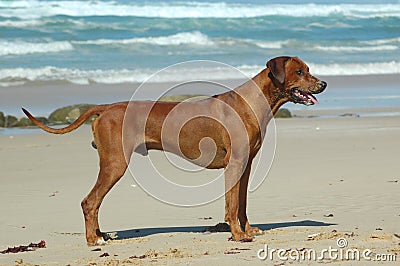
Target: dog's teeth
x=312, y=99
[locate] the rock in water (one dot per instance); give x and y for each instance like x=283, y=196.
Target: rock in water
x=10, y=121
x=68, y=114
x=2, y=118
x=283, y=113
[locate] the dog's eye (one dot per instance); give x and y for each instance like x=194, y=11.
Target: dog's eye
x=300, y=72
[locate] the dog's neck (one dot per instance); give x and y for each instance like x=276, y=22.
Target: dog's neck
x=262, y=96
x=272, y=93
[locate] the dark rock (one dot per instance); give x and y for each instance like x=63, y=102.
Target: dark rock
x=2, y=118
x=10, y=121
x=68, y=114
x=43, y=119
x=283, y=113
x=25, y=122
x=350, y=115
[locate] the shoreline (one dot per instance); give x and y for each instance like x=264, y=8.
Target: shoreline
x=43, y=98
x=299, y=114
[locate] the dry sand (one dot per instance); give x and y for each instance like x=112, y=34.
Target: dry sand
x=332, y=178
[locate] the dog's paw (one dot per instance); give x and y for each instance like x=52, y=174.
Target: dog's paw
x=254, y=231
x=100, y=242
x=241, y=237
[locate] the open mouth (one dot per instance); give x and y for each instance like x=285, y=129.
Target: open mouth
x=303, y=97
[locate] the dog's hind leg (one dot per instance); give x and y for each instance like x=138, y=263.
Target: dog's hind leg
x=109, y=174
x=112, y=167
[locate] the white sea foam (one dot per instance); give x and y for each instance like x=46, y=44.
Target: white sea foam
x=356, y=48
x=360, y=46
x=44, y=22
x=269, y=44
x=194, y=37
x=28, y=9
x=49, y=73
x=330, y=25
x=356, y=69
x=382, y=41
x=18, y=76
x=22, y=48
x=20, y=23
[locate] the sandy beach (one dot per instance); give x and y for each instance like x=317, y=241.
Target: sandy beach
x=332, y=178
x=331, y=194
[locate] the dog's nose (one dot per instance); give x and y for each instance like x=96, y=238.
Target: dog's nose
x=322, y=85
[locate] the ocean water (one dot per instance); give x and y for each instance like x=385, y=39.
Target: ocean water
x=126, y=41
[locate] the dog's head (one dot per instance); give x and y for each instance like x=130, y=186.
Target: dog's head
x=292, y=77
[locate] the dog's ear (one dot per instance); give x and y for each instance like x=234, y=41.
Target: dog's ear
x=277, y=68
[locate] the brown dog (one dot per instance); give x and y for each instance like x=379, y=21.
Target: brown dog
x=238, y=116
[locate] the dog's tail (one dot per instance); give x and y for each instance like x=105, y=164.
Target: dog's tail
x=95, y=110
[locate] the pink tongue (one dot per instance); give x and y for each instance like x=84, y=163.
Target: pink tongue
x=313, y=99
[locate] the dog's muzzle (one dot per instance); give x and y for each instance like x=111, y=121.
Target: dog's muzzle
x=306, y=97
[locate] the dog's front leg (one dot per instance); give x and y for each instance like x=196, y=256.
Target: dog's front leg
x=233, y=172
x=244, y=222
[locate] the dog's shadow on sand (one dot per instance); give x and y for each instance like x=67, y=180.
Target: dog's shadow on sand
x=221, y=227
